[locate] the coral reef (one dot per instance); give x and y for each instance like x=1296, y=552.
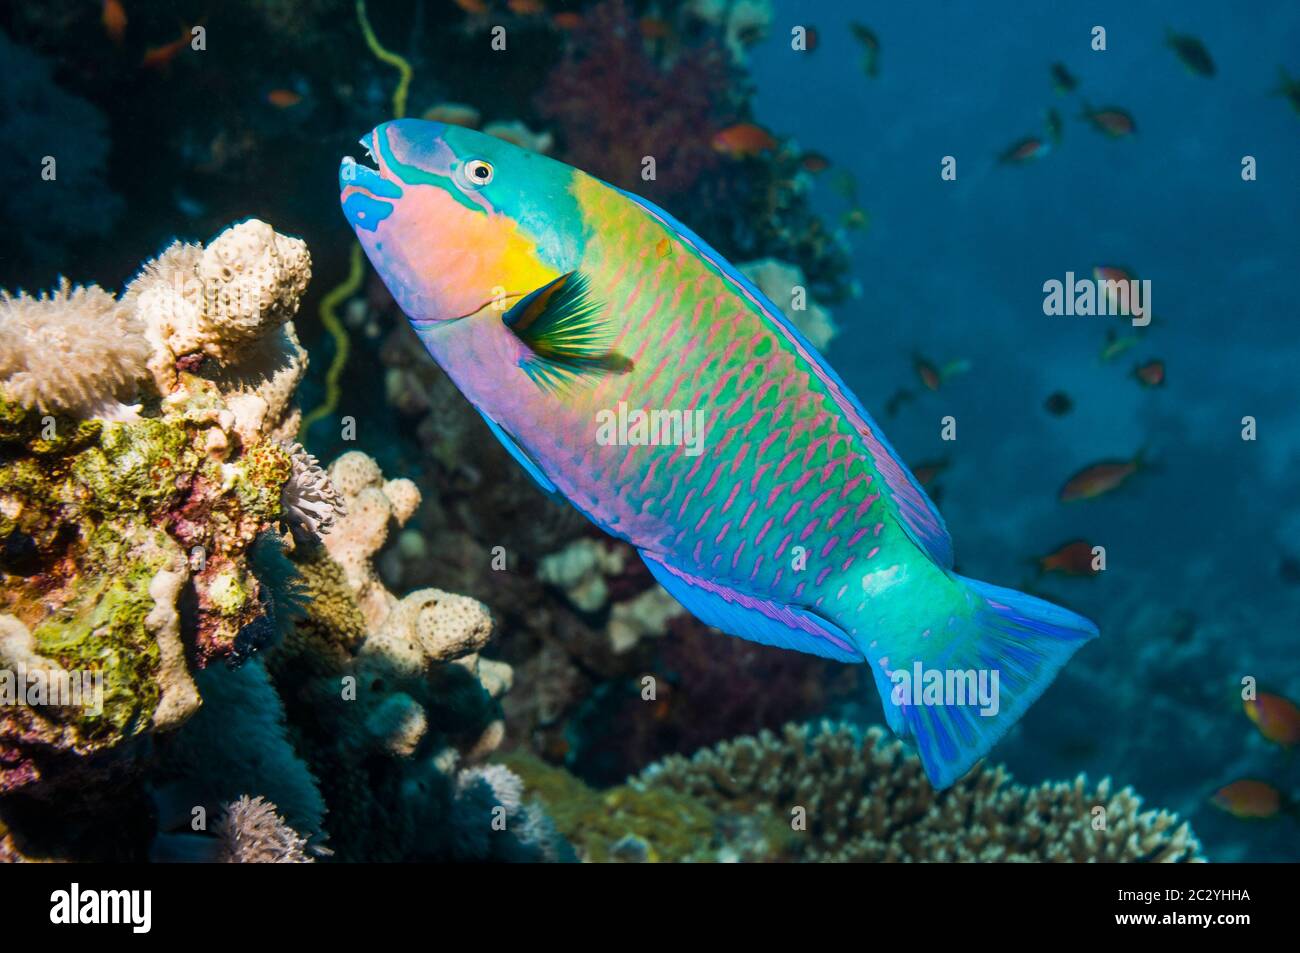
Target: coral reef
x=742, y=23
x=832, y=793
x=141, y=547
x=781, y=283
x=116, y=526
x=865, y=798
x=614, y=102
x=99, y=343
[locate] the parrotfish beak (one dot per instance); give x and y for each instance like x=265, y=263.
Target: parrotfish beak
x=387, y=139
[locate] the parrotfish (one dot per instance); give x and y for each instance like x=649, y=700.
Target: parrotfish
x=545, y=295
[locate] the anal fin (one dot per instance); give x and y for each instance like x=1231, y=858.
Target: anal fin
x=752, y=618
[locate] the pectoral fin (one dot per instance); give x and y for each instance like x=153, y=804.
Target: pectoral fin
x=567, y=332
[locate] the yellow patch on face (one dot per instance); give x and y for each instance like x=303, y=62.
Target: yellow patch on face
x=488, y=261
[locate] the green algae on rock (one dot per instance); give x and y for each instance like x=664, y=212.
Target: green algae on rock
x=140, y=457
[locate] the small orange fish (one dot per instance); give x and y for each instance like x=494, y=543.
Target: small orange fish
x=1026, y=150
x=113, y=16
x=1115, y=273
x=1277, y=718
x=1074, y=558
x=1113, y=121
x=927, y=372
x=934, y=377
x=814, y=162
x=473, y=6
x=160, y=57
x=567, y=20
x=1150, y=374
x=525, y=8
x=1099, y=478
x=1249, y=798
x=742, y=140
x=283, y=98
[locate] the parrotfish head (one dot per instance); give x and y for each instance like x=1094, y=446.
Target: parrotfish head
x=456, y=221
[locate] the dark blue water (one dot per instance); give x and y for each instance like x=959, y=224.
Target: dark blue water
x=1192, y=600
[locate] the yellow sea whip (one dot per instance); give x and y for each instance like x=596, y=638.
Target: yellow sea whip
x=340, y=293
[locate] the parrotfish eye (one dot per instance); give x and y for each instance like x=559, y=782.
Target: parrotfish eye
x=476, y=173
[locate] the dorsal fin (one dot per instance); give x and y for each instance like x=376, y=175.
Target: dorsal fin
x=567, y=333
x=918, y=516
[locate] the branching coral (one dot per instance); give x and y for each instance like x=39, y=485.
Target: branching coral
x=865, y=798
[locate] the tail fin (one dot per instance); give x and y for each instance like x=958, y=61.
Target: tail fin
x=1011, y=645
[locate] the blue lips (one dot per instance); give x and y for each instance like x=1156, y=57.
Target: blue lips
x=364, y=210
